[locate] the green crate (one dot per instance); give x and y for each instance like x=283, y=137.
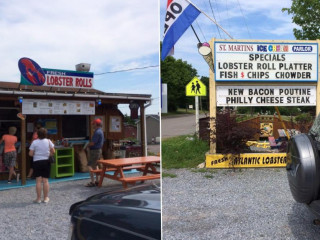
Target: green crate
x=64, y=165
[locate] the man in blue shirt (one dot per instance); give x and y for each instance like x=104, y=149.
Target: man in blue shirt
x=95, y=146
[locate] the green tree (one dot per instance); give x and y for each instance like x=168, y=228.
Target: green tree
x=306, y=14
x=177, y=74
x=128, y=120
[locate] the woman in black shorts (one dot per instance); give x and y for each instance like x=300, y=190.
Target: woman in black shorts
x=40, y=150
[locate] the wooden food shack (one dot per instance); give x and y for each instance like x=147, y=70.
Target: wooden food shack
x=67, y=113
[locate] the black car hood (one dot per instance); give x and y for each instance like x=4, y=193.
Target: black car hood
x=132, y=214
x=145, y=196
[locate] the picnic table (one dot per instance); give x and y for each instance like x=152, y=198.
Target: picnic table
x=146, y=165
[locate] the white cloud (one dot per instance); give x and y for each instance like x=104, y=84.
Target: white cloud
x=59, y=34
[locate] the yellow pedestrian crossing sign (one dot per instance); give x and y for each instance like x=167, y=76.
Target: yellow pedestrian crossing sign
x=196, y=88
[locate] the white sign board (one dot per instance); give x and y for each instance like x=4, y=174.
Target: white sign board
x=244, y=96
x=66, y=78
x=164, y=98
x=266, y=61
x=57, y=107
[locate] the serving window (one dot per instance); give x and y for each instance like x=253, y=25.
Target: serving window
x=75, y=126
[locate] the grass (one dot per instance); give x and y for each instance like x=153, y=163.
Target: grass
x=164, y=174
x=152, y=154
x=208, y=176
x=200, y=170
x=179, y=152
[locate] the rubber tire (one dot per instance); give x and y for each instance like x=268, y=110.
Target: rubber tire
x=303, y=168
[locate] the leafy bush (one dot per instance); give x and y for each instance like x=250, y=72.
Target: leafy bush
x=231, y=136
x=304, y=120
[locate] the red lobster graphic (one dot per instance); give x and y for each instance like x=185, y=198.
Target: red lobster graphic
x=31, y=71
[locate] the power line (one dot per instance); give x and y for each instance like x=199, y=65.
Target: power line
x=215, y=22
x=217, y=11
x=228, y=23
x=245, y=22
x=126, y=70
x=214, y=18
x=201, y=30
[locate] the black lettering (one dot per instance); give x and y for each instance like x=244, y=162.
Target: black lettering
x=169, y=16
x=176, y=8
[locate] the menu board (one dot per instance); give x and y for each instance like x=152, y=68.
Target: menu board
x=115, y=124
x=57, y=107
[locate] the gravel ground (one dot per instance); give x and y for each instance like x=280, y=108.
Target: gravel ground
x=23, y=220
x=222, y=204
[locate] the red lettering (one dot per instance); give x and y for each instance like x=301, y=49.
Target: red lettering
x=55, y=80
x=48, y=80
x=68, y=81
x=83, y=82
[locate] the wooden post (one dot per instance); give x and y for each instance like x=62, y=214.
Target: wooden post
x=213, y=104
x=142, y=132
x=23, y=152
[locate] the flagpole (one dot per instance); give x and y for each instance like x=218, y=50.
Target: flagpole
x=210, y=19
x=195, y=33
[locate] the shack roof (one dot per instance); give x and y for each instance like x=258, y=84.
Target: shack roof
x=12, y=88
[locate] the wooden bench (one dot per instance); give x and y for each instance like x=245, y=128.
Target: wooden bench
x=140, y=178
x=143, y=164
x=138, y=167
x=133, y=180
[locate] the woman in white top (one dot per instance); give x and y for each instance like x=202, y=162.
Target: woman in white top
x=40, y=150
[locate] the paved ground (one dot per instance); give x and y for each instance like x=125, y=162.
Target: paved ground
x=178, y=125
x=23, y=220
x=222, y=204
x=154, y=148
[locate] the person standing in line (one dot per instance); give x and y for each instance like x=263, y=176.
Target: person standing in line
x=95, y=146
x=10, y=152
x=34, y=137
x=40, y=150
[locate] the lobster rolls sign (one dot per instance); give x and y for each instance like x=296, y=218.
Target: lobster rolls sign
x=266, y=61
x=33, y=74
x=64, y=78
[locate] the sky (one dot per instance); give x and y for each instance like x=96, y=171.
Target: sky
x=110, y=35
x=242, y=19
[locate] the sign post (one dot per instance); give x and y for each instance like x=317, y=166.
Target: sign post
x=197, y=115
x=196, y=88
